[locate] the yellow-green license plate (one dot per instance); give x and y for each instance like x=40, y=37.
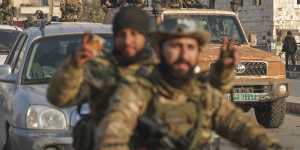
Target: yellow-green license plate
x=243, y=97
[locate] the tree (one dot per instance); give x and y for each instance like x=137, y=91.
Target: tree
x=6, y=12
x=71, y=10
x=93, y=11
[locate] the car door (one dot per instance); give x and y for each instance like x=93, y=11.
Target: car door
x=15, y=51
x=8, y=85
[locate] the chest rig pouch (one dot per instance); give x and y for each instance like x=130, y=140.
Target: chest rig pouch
x=84, y=130
x=195, y=106
x=101, y=75
x=171, y=125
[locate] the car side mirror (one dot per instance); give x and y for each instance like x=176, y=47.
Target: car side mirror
x=5, y=70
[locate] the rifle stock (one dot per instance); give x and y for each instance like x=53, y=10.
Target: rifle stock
x=167, y=139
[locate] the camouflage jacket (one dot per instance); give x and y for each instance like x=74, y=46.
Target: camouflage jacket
x=72, y=85
x=196, y=108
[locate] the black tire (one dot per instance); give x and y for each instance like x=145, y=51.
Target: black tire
x=271, y=115
x=3, y=128
x=7, y=144
x=3, y=137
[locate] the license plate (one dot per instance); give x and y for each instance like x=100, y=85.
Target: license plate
x=240, y=97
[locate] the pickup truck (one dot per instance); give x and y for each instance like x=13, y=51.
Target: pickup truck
x=260, y=81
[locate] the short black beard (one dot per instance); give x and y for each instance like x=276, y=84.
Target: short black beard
x=125, y=61
x=172, y=77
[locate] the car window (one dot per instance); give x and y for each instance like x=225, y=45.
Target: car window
x=16, y=49
x=7, y=39
x=48, y=53
x=218, y=25
x=19, y=59
x=19, y=54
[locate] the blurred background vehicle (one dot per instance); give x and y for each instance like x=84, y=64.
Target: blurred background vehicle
x=28, y=121
x=8, y=36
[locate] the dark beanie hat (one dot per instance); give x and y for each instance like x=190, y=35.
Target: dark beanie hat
x=131, y=17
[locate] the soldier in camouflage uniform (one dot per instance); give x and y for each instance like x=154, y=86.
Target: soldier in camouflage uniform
x=89, y=76
x=84, y=74
x=171, y=96
x=89, y=71
x=71, y=10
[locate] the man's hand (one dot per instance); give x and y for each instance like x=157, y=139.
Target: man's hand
x=229, y=53
x=90, y=48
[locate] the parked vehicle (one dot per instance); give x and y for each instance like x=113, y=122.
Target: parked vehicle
x=28, y=121
x=8, y=36
x=260, y=77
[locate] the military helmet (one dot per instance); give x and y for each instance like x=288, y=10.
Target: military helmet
x=175, y=27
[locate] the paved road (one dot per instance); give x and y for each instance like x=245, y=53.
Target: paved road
x=294, y=87
x=289, y=132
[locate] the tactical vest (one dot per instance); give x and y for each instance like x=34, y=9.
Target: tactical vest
x=185, y=115
x=104, y=74
x=101, y=75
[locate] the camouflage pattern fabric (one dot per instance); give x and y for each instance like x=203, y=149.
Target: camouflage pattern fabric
x=72, y=85
x=71, y=10
x=97, y=80
x=177, y=110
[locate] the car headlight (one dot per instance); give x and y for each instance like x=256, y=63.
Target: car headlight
x=43, y=117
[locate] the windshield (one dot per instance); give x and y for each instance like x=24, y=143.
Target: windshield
x=49, y=52
x=7, y=39
x=218, y=26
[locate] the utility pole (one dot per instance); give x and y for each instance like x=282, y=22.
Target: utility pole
x=50, y=14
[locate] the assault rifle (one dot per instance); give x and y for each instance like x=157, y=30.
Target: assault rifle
x=170, y=141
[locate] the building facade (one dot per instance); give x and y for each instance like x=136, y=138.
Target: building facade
x=24, y=8
x=268, y=19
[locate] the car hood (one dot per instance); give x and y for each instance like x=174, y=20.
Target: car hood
x=36, y=95
x=247, y=53
x=37, y=92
